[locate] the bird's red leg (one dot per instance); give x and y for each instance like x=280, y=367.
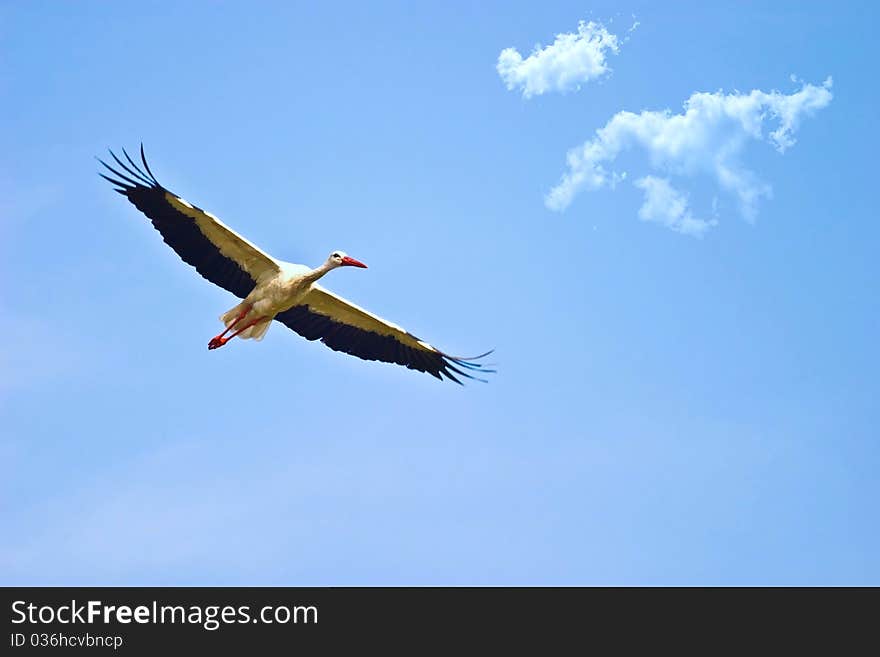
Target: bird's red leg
x=219, y=341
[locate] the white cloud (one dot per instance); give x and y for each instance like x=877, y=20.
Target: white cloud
x=708, y=137
x=570, y=60
x=669, y=207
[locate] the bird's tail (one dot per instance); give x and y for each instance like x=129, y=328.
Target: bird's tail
x=230, y=316
x=255, y=332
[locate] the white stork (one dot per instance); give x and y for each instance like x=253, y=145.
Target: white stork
x=274, y=289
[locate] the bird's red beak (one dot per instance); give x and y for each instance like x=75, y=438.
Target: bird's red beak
x=351, y=262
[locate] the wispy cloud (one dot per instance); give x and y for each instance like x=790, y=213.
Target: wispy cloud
x=708, y=138
x=571, y=60
x=669, y=207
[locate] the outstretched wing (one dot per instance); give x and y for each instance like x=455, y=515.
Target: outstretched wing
x=345, y=327
x=216, y=251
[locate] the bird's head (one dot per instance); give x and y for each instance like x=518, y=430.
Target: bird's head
x=342, y=259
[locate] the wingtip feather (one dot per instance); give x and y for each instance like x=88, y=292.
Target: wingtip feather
x=147, y=166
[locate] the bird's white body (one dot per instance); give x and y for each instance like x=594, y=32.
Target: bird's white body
x=272, y=295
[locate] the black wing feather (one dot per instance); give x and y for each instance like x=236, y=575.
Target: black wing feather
x=178, y=231
x=369, y=345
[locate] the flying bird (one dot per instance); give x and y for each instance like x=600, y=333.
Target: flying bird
x=273, y=289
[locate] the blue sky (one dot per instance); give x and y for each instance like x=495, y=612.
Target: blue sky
x=677, y=402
